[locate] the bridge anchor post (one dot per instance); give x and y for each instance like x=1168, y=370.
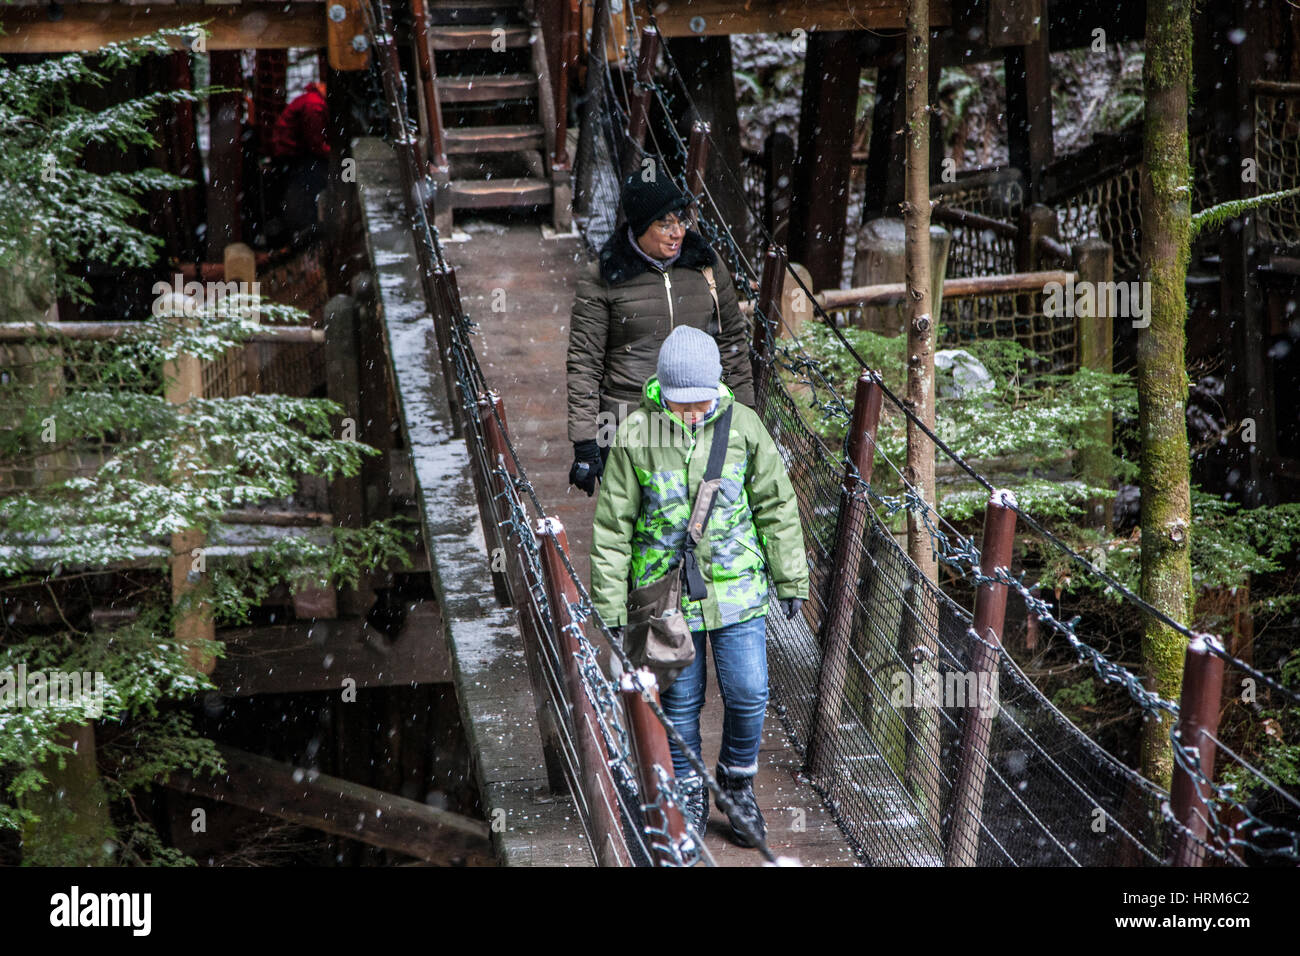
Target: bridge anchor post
x=837, y=632
x=1198, y=723
x=977, y=728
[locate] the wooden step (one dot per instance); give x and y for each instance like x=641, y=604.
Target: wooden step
x=477, y=37
x=467, y=12
x=492, y=193
x=478, y=89
x=493, y=139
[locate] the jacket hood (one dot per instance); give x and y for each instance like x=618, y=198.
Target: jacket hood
x=619, y=262
x=651, y=402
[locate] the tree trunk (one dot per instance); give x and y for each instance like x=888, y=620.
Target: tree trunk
x=922, y=760
x=1161, y=367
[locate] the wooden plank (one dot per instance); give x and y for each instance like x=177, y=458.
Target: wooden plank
x=301, y=657
x=485, y=193
x=494, y=139
x=333, y=805
x=478, y=89
x=85, y=27
x=479, y=37
x=782, y=16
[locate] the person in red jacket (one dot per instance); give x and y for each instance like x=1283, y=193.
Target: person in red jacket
x=300, y=149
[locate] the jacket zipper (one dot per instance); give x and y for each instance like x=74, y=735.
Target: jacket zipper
x=668, y=291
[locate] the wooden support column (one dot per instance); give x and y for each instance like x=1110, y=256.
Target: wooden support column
x=977, y=726
x=841, y=594
x=778, y=181
x=650, y=745
x=824, y=160
x=706, y=67
x=608, y=843
x=343, y=385
x=184, y=381
x=767, y=319
x=1198, y=722
x=1095, y=262
x=1029, y=97
x=697, y=157
x=639, y=108
x=884, y=170
x=225, y=154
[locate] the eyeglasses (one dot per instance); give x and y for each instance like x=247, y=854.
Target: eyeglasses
x=669, y=226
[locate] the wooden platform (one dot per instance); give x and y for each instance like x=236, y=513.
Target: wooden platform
x=522, y=349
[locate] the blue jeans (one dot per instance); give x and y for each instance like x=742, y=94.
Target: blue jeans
x=740, y=655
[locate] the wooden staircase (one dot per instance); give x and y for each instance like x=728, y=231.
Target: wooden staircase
x=497, y=110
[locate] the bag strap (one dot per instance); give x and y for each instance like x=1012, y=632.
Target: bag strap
x=705, y=498
x=713, y=291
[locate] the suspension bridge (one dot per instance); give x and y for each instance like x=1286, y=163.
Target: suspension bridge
x=571, y=764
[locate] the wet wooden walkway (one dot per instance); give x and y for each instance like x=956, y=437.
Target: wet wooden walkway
x=518, y=286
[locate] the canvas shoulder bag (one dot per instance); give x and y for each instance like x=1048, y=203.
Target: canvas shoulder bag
x=657, y=636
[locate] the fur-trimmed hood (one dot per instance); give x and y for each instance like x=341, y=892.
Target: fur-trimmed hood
x=620, y=262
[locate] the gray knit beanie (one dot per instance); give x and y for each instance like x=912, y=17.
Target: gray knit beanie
x=689, y=366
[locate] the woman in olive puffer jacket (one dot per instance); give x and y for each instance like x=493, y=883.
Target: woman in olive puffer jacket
x=653, y=275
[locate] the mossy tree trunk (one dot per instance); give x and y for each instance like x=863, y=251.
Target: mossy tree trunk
x=1161, y=364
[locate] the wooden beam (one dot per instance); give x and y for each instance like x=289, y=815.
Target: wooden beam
x=333, y=805
x=694, y=18
x=303, y=656
x=89, y=26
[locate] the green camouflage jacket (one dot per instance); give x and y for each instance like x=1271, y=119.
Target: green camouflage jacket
x=754, y=537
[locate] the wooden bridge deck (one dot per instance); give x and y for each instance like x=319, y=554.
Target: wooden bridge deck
x=522, y=348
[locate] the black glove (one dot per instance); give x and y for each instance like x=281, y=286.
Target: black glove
x=791, y=607
x=587, y=465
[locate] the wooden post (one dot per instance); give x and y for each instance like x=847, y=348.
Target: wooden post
x=650, y=745
x=1095, y=263
x=767, y=318
x=795, y=304
x=639, y=108
x=183, y=379
x=977, y=728
x=225, y=157
x=607, y=839
x=1029, y=97
x=517, y=587
x=778, y=179
x=825, y=156
x=1198, y=721
x=343, y=385
x=884, y=169
x=697, y=157
x=880, y=259
x=837, y=632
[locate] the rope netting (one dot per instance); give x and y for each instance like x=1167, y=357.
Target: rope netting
x=1277, y=154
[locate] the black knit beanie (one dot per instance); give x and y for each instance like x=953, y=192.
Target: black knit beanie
x=645, y=202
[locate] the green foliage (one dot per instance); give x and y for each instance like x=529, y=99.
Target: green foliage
x=51, y=208
x=1025, y=427
x=1077, y=696
x=163, y=469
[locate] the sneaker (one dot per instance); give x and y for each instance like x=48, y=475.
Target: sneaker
x=746, y=818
